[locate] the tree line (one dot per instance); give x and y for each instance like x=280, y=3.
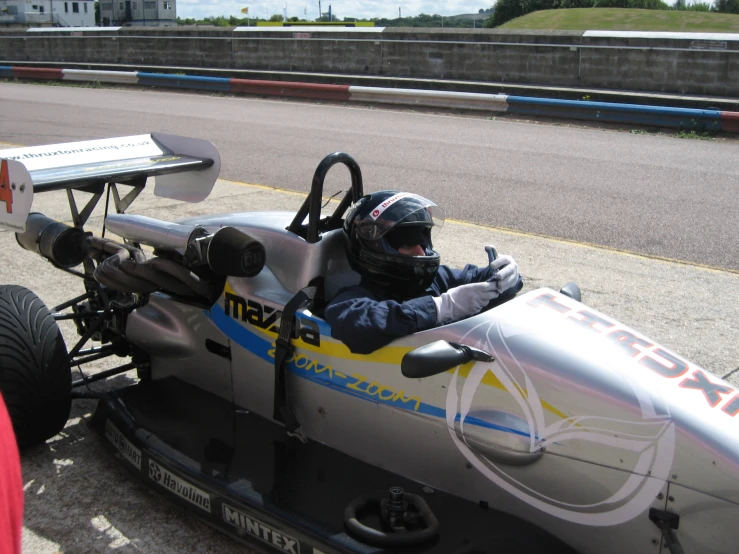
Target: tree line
x=421, y=20
x=502, y=12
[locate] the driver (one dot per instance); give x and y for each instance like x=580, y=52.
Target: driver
x=403, y=288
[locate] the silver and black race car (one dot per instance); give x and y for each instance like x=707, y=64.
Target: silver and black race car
x=540, y=425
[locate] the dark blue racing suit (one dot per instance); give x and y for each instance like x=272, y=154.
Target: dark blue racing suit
x=366, y=317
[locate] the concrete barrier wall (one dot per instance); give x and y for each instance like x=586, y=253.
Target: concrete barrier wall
x=681, y=71
x=689, y=63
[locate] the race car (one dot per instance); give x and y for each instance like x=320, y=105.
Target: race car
x=541, y=425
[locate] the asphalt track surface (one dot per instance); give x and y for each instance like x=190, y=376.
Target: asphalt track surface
x=649, y=194
x=562, y=180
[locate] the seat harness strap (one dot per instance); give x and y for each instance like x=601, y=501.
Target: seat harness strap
x=305, y=298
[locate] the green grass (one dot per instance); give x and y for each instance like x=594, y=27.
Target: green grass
x=698, y=135
x=682, y=134
x=622, y=19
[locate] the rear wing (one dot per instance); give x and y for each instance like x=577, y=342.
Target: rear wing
x=184, y=169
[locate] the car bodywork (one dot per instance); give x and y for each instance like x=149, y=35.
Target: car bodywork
x=573, y=423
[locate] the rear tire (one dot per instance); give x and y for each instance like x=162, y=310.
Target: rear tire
x=35, y=376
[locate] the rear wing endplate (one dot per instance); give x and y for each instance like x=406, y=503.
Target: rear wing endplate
x=184, y=168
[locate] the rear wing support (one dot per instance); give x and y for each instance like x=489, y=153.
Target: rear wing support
x=122, y=204
x=78, y=218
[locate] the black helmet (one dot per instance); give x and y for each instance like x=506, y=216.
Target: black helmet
x=380, y=223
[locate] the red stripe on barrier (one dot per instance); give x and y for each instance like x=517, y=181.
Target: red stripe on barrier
x=730, y=122
x=38, y=73
x=298, y=90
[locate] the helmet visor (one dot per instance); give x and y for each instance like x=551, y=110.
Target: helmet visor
x=404, y=208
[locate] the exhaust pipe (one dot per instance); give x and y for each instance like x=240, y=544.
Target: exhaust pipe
x=59, y=243
x=150, y=231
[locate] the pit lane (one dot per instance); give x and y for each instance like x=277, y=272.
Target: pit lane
x=78, y=498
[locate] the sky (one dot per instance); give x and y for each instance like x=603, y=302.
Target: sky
x=340, y=8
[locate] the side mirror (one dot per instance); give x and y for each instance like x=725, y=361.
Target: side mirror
x=571, y=290
x=438, y=357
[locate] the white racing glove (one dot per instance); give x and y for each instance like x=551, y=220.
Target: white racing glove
x=464, y=301
x=507, y=275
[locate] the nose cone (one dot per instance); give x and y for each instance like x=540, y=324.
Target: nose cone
x=575, y=394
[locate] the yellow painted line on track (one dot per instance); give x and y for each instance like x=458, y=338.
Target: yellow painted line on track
x=528, y=234
x=263, y=187
x=583, y=244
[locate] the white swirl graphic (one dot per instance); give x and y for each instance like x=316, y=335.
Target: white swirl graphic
x=651, y=440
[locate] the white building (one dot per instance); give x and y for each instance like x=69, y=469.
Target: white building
x=138, y=13
x=48, y=13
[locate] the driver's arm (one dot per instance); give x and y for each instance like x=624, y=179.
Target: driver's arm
x=365, y=323
x=448, y=278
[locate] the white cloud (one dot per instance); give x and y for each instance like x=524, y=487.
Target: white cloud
x=341, y=8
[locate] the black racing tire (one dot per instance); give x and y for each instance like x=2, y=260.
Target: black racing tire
x=35, y=376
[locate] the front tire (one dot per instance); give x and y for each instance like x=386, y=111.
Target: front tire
x=35, y=376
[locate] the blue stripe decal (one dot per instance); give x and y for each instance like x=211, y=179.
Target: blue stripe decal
x=6, y=70
x=332, y=378
x=237, y=333
x=323, y=327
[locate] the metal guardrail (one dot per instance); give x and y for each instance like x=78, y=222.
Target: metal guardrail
x=680, y=118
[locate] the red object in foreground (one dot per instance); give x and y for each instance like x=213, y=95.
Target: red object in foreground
x=11, y=487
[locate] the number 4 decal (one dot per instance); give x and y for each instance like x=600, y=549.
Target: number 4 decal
x=6, y=193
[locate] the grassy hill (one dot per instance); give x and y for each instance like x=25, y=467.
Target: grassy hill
x=622, y=19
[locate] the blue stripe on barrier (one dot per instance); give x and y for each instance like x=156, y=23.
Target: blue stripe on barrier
x=687, y=118
x=6, y=71
x=185, y=81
